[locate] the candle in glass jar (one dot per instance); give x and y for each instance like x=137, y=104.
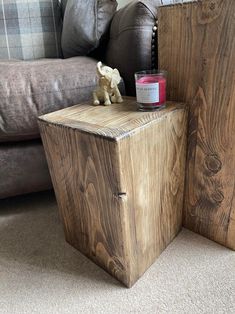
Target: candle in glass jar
x=151, y=89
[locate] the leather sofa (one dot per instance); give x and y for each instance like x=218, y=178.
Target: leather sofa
x=32, y=88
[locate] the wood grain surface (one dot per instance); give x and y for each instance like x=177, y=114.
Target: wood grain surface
x=120, y=198
x=113, y=122
x=197, y=48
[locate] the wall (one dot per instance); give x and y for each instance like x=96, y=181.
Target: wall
x=121, y=3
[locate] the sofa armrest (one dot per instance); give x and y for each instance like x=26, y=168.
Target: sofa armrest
x=133, y=40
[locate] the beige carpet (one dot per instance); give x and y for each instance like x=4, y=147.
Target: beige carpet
x=40, y=273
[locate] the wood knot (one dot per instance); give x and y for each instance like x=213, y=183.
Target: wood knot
x=82, y=189
x=218, y=197
x=213, y=163
x=120, y=195
x=118, y=265
x=210, y=11
x=212, y=6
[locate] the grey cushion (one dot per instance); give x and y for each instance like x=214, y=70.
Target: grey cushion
x=23, y=168
x=31, y=88
x=131, y=39
x=30, y=29
x=85, y=22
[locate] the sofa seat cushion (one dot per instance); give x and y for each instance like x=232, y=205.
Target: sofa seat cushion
x=23, y=168
x=29, y=89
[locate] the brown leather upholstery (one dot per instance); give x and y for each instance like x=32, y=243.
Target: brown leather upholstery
x=131, y=40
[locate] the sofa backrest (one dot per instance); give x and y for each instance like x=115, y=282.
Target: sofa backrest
x=132, y=44
x=30, y=29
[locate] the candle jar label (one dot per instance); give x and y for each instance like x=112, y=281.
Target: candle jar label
x=147, y=93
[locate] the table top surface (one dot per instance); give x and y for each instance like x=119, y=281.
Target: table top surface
x=114, y=121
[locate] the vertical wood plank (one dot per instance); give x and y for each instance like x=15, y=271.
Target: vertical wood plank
x=153, y=173
x=197, y=48
x=85, y=176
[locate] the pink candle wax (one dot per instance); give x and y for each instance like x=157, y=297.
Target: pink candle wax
x=151, y=90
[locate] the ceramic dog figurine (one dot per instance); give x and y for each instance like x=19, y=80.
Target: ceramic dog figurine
x=107, y=91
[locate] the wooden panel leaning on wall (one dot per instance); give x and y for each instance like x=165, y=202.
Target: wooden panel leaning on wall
x=197, y=48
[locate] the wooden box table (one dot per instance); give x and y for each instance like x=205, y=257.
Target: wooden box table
x=118, y=176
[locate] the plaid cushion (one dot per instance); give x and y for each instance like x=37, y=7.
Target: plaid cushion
x=30, y=29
